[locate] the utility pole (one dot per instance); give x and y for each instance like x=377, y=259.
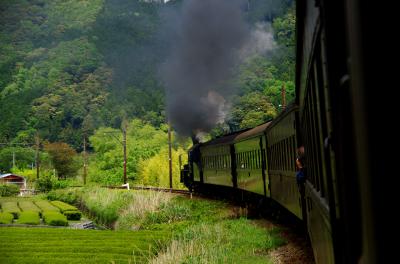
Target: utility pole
x=170, y=155
x=13, y=158
x=124, y=143
x=37, y=157
x=283, y=94
x=84, y=160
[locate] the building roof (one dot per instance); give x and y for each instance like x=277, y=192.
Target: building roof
x=10, y=174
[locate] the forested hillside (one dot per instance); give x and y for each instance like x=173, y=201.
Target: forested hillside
x=71, y=69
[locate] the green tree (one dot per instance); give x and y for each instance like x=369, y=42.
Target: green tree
x=251, y=109
x=155, y=170
x=24, y=157
x=143, y=142
x=62, y=157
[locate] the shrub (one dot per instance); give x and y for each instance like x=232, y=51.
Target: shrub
x=29, y=218
x=70, y=196
x=46, y=206
x=6, y=218
x=9, y=190
x=11, y=207
x=72, y=215
x=55, y=219
x=28, y=206
x=64, y=206
x=44, y=184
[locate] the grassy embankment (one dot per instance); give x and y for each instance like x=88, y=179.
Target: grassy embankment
x=202, y=231
x=150, y=227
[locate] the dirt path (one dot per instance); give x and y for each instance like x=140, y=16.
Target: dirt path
x=297, y=250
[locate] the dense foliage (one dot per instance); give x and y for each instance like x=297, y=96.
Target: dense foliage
x=9, y=190
x=74, y=70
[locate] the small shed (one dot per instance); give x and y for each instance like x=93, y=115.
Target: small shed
x=10, y=178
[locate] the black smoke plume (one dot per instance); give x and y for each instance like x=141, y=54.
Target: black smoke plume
x=204, y=49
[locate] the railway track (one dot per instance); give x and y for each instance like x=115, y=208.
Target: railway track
x=156, y=189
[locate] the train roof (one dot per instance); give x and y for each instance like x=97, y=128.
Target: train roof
x=226, y=139
x=290, y=108
x=253, y=132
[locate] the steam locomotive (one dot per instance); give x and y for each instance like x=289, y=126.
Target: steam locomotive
x=342, y=204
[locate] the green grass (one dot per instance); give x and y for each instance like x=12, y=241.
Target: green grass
x=203, y=231
x=47, y=245
x=29, y=218
x=6, y=218
x=226, y=241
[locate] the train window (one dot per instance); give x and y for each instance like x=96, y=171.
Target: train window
x=246, y=161
x=284, y=155
x=316, y=132
x=294, y=150
x=274, y=157
x=253, y=160
x=287, y=154
x=278, y=155
x=278, y=158
x=281, y=153
x=257, y=154
x=323, y=130
x=249, y=159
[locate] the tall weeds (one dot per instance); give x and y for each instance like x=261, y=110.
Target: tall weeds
x=143, y=203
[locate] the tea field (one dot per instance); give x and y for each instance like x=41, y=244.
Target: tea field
x=60, y=245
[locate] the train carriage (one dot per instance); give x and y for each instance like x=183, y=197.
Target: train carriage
x=251, y=170
x=281, y=152
x=216, y=161
x=315, y=129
